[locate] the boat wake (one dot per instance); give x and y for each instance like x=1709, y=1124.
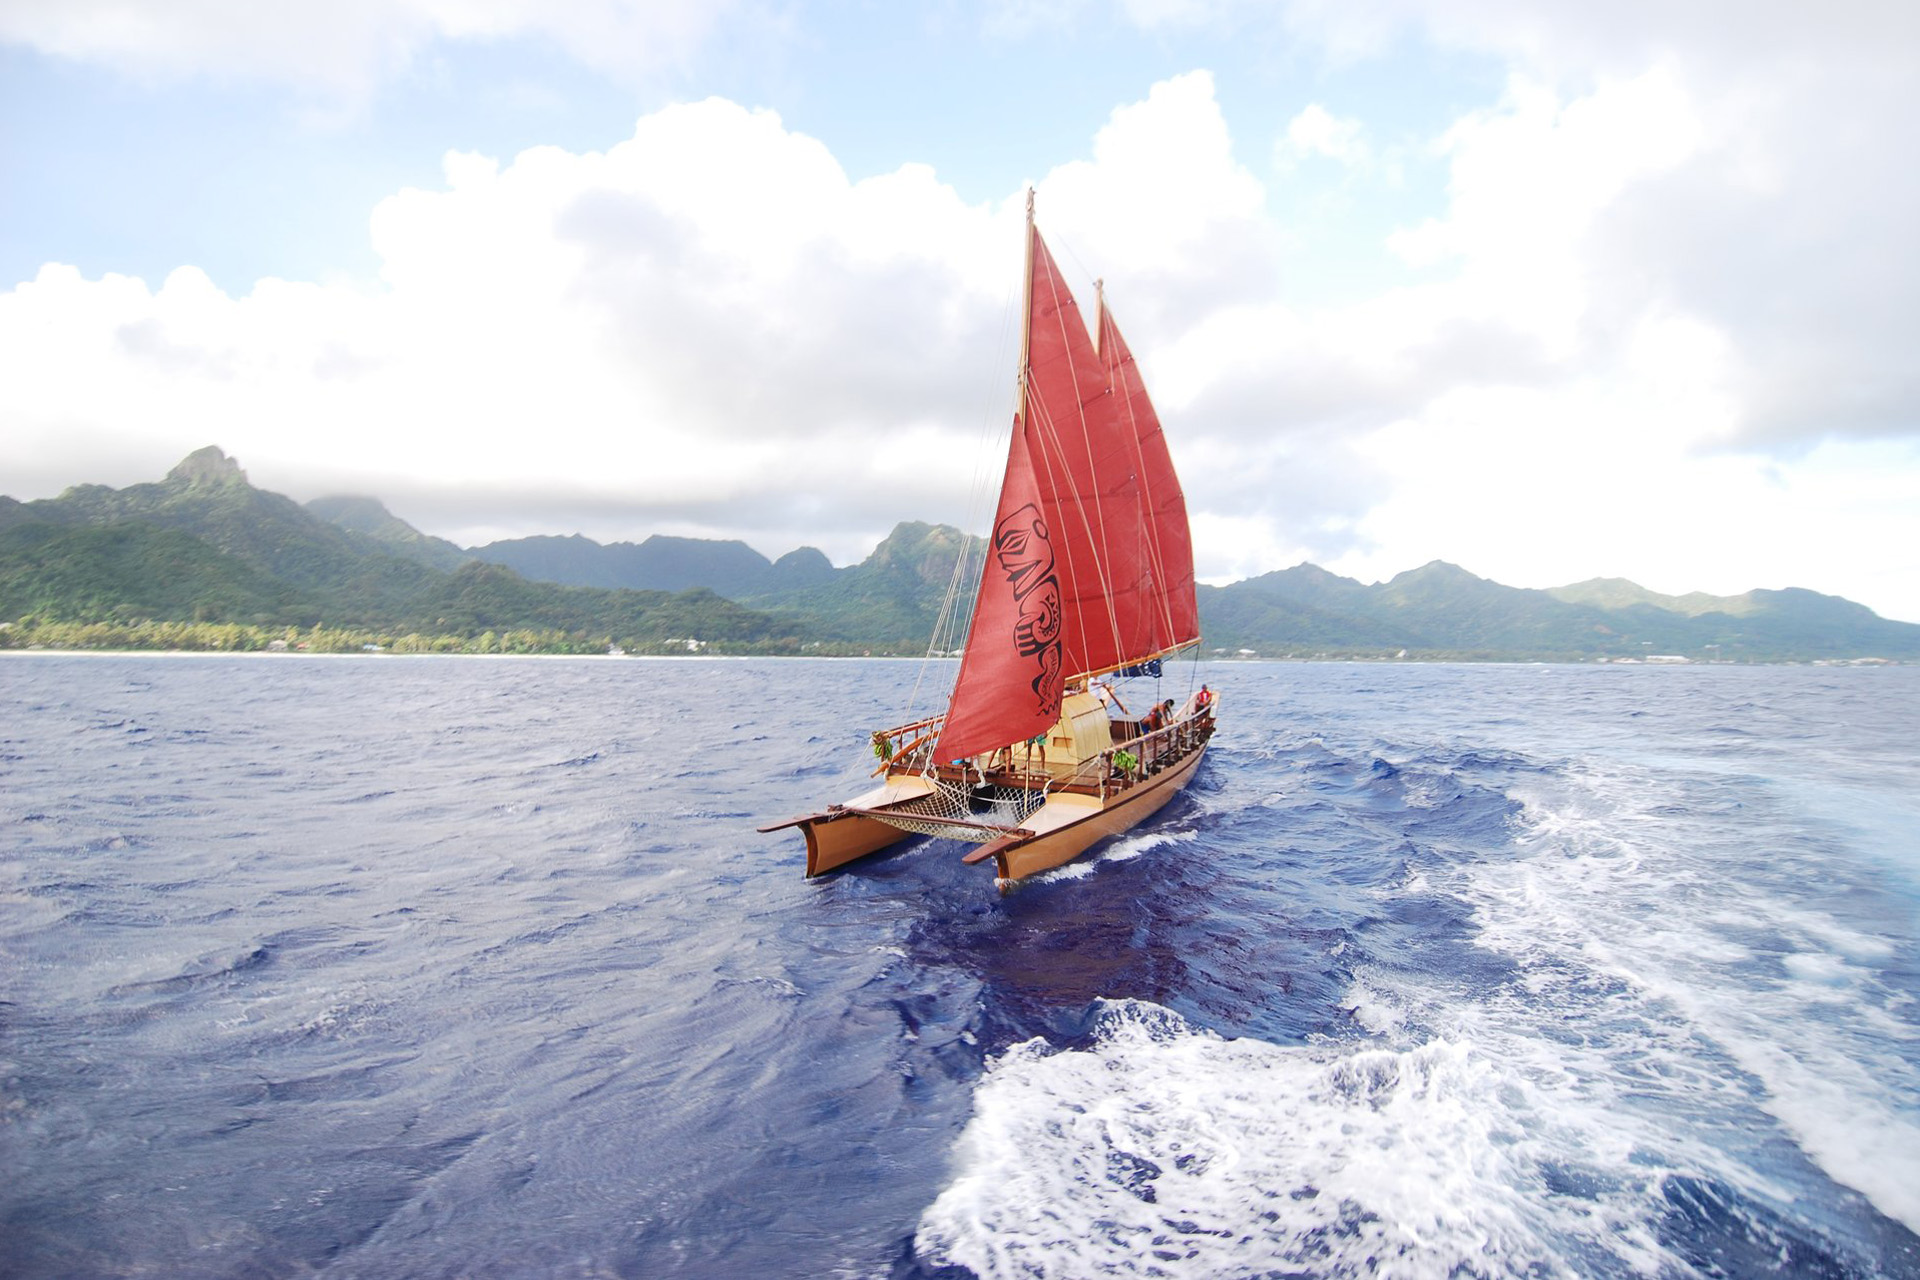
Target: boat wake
x=1638, y=907
x=1600, y=1021
x=1161, y=1149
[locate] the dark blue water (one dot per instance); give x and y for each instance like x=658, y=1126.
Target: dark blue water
x=467, y=967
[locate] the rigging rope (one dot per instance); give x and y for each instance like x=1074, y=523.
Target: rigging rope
x=955, y=615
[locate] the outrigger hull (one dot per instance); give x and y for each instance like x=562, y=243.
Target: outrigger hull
x=843, y=834
x=836, y=838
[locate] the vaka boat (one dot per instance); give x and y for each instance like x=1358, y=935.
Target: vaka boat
x=1088, y=575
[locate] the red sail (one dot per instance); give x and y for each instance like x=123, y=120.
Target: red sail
x=1169, y=540
x=1077, y=581
x=1011, y=679
x=1084, y=464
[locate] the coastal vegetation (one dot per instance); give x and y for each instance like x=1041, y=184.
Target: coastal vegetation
x=233, y=637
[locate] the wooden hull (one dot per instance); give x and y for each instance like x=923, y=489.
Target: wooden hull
x=1018, y=857
x=835, y=839
x=839, y=835
x=1071, y=820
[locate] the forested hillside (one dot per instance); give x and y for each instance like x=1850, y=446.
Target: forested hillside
x=203, y=559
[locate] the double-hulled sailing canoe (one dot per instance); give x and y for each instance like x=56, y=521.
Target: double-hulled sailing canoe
x=1088, y=575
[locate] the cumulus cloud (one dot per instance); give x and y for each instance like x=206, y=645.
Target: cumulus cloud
x=1736, y=162
x=708, y=327
x=1657, y=326
x=346, y=48
x=1318, y=132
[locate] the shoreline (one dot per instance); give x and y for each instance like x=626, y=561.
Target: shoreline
x=1351, y=661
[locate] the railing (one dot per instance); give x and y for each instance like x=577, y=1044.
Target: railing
x=1157, y=749
x=916, y=755
x=1152, y=751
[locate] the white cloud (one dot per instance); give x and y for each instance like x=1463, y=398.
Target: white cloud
x=1663, y=322
x=707, y=328
x=1150, y=14
x=1557, y=398
x=1740, y=162
x=345, y=48
x=1318, y=132
x=1642, y=264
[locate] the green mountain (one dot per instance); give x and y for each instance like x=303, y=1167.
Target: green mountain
x=123, y=571
x=1441, y=609
x=321, y=568
x=893, y=598
x=484, y=597
x=204, y=548
x=661, y=563
x=1618, y=593
x=370, y=518
x=204, y=545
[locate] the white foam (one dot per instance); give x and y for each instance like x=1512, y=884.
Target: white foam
x=1123, y=849
x=1166, y=1151
x=1634, y=906
x=1375, y=1010
x=1683, y=994
x=1821, y=968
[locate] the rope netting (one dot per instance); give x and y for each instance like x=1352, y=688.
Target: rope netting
x=974, y=816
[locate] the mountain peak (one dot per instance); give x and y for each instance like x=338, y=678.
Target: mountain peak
x=1307, y=571
x=927, y=551
x=1437, y=575
x=370, y=518
x=351, y=510
x=207, y=468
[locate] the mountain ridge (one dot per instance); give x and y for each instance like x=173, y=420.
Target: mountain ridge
x=203, y=545
x=203, y=542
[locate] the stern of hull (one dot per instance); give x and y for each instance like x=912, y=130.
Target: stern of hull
x=835, y=839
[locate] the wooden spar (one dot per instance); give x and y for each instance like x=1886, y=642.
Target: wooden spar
x=1180, y=648
x=1099, y=309
x=1026, y=323
x=907, y=750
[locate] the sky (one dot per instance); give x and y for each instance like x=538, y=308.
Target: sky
x=1549, y=290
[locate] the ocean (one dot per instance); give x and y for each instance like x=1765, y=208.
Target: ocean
x=382, y=966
